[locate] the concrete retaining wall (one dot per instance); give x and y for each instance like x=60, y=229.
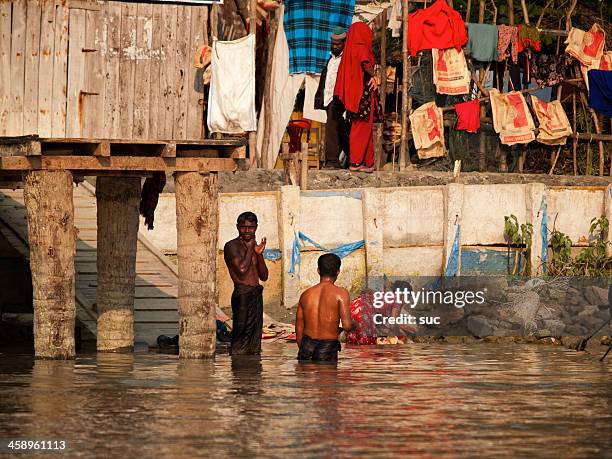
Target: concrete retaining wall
x=406, y=231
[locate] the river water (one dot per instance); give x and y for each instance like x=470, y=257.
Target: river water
x=418, y=400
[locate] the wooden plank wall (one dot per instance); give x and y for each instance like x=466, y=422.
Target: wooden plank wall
x=101, y=69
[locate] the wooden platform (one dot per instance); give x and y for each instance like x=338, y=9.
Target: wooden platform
x=155, y=306
x=108, y=156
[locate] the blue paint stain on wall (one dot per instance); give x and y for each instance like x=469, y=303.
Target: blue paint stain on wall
x=272, y=254
x=476, y=262
x=326, y=194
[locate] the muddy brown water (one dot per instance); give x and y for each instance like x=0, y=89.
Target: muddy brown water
x=422, y=400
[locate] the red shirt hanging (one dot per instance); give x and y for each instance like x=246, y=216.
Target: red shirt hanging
x=438, y=26
x=468, y=116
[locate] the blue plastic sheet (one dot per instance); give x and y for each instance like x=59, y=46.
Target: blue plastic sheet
x=544, y=233
x=452, y=265
x=342, y=250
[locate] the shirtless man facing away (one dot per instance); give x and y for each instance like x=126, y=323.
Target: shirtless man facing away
x=319, y=312
x=246, y=265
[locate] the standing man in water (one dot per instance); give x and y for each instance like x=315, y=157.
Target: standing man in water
x=319, y=312
x=246, y=265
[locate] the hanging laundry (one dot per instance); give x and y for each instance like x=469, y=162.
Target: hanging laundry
x=550, y=69
x=283, y=91
x=511, y=117
x=311, y=83
x=438, y=26
x=529, y=38
x=586, y=46
x=367, y=13
x=604, y=63
x=308, y=27
x=508, y=36
x=201, y=60
x=554, y=125
x=427, y=126
x=395, y=19
x=600, y=94
x=482, y=42
x=468, y=116
x=231, y=101
x=450, y=72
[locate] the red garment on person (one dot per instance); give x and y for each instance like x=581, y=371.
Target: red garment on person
x=361, y=140
x=357, y=52
x=438, y=26
x=361, y=312
x=468, y=116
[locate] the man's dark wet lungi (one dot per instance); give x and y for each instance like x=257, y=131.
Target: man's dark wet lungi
x=319, y=350
x=247, y=319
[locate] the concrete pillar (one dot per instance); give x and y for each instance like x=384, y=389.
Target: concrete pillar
x=373, y=202
x=117, y=208
x=453, y=210
x=48, y=200
x=535, y=198
x=289, y=223
x=608, y=214
x=197, y=225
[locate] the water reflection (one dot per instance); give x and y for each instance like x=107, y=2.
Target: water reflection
x=421, y=400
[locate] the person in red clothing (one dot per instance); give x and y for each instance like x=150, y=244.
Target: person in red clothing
x=357, y=88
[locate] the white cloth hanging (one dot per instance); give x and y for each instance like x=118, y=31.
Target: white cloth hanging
x=312, y=83
x=283, y=90
x=231, y=101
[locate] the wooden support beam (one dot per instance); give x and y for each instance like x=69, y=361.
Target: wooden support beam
x=136, y=164
x=380, y=158
x=197, y=207
x=51, y=235
x=102, y=149
x=117, y=207
x=27, y=148
x=168, y=151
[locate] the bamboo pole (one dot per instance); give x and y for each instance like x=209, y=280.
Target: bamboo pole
x=555, y=158
x=267, y=99
x=548, y=3
x=525, y=12
x=304, y=166
x=254, y=159
x=404, y=158
x=482, y=141
x=575, y=140
x=380, y=159
x=214, y=21
x=523, y=91
x=468, y=10
x=511, y=12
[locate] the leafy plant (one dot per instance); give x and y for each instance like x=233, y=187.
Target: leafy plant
x=519, y=237
x=591, y=261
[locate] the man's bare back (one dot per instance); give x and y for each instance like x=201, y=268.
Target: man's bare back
x=321, y=309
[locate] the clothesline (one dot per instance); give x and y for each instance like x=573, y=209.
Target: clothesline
x=523, y=91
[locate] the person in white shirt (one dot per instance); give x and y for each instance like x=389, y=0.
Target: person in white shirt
x=336, y=130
